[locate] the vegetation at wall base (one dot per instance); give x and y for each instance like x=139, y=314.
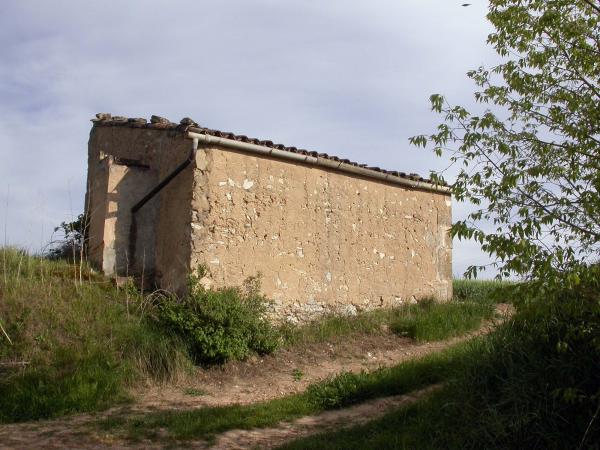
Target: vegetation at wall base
x=423, y=321
x=219, y=325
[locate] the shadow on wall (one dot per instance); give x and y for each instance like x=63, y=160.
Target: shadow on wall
x=127, y=184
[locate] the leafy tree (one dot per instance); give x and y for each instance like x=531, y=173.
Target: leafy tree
x=531, y=160
x=72, y=244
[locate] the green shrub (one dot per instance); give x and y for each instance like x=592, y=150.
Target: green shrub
x=219, y=325
x=532, y=384
x=535, y=383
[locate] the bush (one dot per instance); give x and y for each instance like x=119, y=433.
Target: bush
x=220, y=325
x=533, y=383
x=536, y=384
x=74, y=239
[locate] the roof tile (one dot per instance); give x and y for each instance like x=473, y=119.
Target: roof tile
x=161, y=123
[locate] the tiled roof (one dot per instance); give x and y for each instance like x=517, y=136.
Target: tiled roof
x=187, y=124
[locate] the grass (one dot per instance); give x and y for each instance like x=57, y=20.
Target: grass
x=206, y=422
x=531, y=384
x=81, y=337
x=395, y=430
x=332, y=327
x=483, y=290
x=425, y=321
x=86, y=342
x=431, y=321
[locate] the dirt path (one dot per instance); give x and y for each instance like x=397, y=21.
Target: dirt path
x=258, y=379
x=287, y=372
x=69, y=434
x=293, y=370
x=267, y=438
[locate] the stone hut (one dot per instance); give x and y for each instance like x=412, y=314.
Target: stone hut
x=325, y=234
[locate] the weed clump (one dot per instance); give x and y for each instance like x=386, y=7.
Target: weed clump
x=432, y=321
x=220, y=325
x=482, y=290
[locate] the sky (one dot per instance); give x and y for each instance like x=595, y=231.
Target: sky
x=345, y=77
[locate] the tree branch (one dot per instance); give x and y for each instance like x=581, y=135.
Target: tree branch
x=591, y=4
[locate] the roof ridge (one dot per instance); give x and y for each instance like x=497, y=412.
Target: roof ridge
x=161, y=123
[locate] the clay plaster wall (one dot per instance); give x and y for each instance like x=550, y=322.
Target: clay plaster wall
x=323, y=241
x=123, y=165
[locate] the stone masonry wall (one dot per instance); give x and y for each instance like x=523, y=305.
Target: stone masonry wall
x=322, y=241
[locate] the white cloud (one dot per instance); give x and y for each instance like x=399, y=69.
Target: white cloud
x=350, y=78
